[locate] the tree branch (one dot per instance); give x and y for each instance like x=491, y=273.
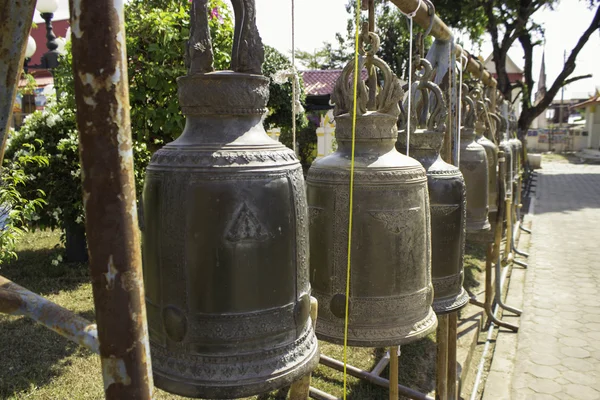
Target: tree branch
x=576, y=78
x=529, y=114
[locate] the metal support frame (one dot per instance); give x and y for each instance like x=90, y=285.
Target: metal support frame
x=111, y=222
x=370, y=377
x=16, y=300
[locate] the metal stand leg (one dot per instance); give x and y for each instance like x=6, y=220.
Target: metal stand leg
x=452, y=366
x=441, y=376
x=525, y=229
x=499, y=285
x=489, y=291
x=300, y=389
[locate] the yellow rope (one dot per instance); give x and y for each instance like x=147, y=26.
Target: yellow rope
x=357, y=73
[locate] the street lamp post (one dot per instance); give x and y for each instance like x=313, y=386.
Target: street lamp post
x=49, y=60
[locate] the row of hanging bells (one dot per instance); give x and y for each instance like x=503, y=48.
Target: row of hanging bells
x=226, y=238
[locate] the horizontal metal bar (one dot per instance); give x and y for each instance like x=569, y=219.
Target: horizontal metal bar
x=16, y=300
x=377, y=380
x=321, y=395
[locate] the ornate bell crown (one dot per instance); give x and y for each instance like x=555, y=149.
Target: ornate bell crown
x=241, y=91
x=428, y=107
x=386, y=96
x=248, y=52
x=469, y=115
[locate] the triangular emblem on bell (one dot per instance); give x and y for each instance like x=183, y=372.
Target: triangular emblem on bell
x=447, y=195
x=390, y=279
x=226, y=234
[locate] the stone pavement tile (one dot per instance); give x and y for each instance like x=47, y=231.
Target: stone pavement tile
x=558, y=349
x=581, y=392
x=546, y=386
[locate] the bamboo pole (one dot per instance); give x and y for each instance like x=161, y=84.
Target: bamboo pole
x=300, y=389
x=452, y=347
x=441, y=375
x=440, y=31
x=394, y=394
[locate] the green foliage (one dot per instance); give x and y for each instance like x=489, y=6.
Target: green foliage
x=392, y=27
x=16, y=210
x=157, y=33
x=51, y=135
x=30, y=85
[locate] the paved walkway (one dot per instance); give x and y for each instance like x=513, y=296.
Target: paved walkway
x=558, y=345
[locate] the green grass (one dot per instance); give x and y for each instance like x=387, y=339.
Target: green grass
x=37, y=363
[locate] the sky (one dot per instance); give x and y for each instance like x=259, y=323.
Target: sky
x=317, y=21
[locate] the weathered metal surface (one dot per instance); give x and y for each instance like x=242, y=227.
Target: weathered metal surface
x=391, y=291
x=16, y=300
x=474, y=167
x=226, y=237
x=102, y=95
x=446, y=187
x=15, y=24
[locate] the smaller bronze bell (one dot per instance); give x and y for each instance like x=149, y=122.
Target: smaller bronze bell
x=474, y=167
x=446, y=186
x=491, y=150
x=390, y=286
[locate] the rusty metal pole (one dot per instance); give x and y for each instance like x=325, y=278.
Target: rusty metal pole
x=105, y=146
x=16, y=300
x=15, y=24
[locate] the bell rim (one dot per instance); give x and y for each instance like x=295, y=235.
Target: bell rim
x=425, y=327
x=446, y=305
x=237, y=387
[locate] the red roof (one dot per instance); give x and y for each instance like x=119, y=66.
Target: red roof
x=321, y=82
x=592, y=100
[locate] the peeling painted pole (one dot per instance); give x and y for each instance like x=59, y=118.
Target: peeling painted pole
x=105, y=146
x=15, y=24
x=16, y=300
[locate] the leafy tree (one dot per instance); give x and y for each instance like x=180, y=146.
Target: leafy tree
x=392, y=27
x=16, y=210
x=280, y=106
x=510, y=21
x=313, y=60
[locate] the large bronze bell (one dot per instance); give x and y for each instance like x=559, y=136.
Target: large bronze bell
x=390, y=281
x=483, y=135
x=474, y=167
x=226, y=234
x=447, y=191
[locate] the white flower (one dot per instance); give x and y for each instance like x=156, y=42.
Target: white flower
x=59, y=258
x=281, y=77
x=55, y=262
x=79, y=219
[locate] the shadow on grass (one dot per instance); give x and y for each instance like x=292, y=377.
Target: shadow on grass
x=34, y=271
x=474, y=265
x=32, y=355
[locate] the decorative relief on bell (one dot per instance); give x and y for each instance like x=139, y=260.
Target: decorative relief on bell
x=445, y=183
x=219, y=201
x=391, y=293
